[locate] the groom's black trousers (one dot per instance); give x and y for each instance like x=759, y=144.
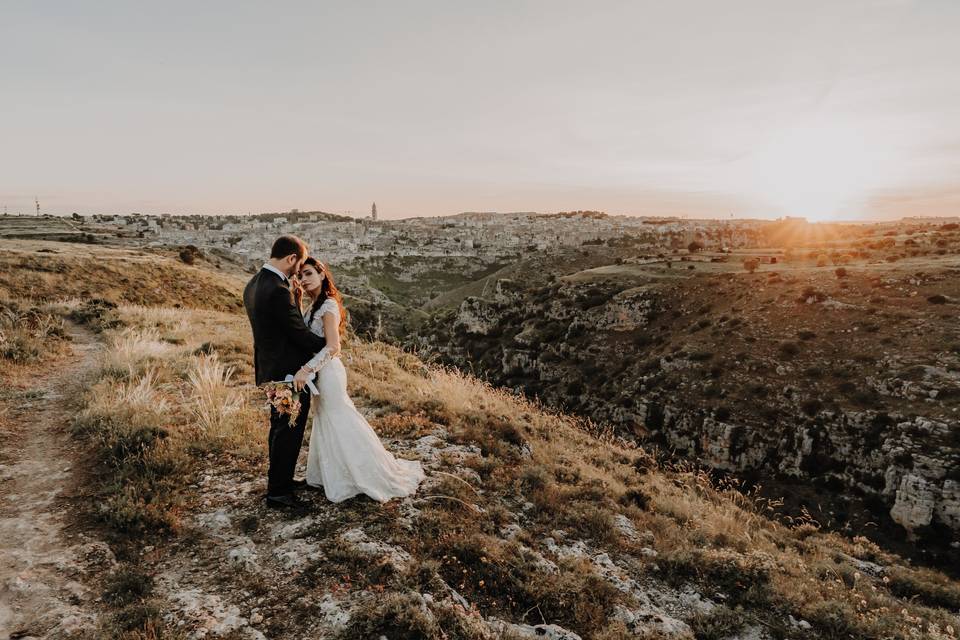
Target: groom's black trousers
x=285, y=442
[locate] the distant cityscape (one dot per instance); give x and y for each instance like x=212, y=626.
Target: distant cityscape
x=468, y=234
x=485, y=235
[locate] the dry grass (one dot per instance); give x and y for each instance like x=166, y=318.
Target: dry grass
x=29, y=332
x=227, y=416
x=175, y=386
x=55, y=271
x=131, y=351
x=158, y=405
x=715, y=536
x=212, y=400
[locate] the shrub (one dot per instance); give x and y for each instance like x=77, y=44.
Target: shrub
x=823, y=260
x=811, y=407
x=925, y=586
x=835, y=619
x=138, y=620
x=189, y=254
x=788, y=349
x=398, y=615
x=717, y=624
x=937, y=299
x=127, y=586
x=96, y=313
x=635, y=498
x=840, y=272
x=744, y=578
x=27, y=334
x=751, y=264
x=811, y=293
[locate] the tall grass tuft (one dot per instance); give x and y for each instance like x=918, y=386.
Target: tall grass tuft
x=131, y=351
x=136, y=401
x=213, y=402
x=28, y=332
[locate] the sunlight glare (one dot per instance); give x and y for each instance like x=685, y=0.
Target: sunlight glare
x=817, y=170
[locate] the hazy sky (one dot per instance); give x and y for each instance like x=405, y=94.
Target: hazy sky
x=767, y=107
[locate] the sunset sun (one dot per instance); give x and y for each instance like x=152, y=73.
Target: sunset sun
x=816, y=170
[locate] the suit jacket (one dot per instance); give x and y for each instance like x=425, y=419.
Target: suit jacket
x=282, y=343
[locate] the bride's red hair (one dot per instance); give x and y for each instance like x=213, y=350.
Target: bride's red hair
x=327, y=290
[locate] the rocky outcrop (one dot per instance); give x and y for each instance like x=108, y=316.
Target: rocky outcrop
x=715, y=383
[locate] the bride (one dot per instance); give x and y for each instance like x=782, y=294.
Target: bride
x=345, y=454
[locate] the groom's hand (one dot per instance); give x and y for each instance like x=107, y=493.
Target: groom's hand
x=300, y=380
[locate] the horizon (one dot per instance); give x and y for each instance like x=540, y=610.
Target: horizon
x=828, y=112
x=684, y=218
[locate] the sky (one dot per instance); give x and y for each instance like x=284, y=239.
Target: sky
x=847, y=109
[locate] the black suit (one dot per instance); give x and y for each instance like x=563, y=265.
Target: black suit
x=282, y=343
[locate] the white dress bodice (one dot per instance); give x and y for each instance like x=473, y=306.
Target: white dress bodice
x=316, y=325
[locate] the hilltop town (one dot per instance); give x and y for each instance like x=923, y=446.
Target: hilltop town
x=487, y=236
x=467, y=234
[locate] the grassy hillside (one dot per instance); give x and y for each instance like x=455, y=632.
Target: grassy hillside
x=411, y=281
x=528, y=518
x=55, y=271
x=535, y=270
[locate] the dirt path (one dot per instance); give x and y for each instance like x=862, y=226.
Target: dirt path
x=43, y=565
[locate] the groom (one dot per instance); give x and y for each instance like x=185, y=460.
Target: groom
x=282, y=344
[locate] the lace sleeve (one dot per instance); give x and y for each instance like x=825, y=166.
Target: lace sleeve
x=329, y=306
x=325, y=355
x=317, y=362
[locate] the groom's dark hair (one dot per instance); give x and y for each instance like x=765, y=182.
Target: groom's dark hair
x=287, y=245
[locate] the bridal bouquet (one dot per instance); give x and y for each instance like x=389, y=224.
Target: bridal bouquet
x=281, y=397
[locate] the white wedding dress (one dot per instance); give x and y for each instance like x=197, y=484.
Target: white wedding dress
x=345, y=454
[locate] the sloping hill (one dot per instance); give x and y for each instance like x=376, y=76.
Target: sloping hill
x=55, y=271
x=531, y=524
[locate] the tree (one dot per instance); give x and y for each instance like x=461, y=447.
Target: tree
x=694, y=246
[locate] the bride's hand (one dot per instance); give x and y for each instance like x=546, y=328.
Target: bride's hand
x=300, y=379
x=297, y=292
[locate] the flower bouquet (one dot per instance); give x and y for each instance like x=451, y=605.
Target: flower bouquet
x=280, y=396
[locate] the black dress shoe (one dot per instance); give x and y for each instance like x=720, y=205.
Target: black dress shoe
x=296, y=485
x=284, y=502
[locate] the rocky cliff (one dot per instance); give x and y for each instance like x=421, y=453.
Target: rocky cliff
x=850, y=384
